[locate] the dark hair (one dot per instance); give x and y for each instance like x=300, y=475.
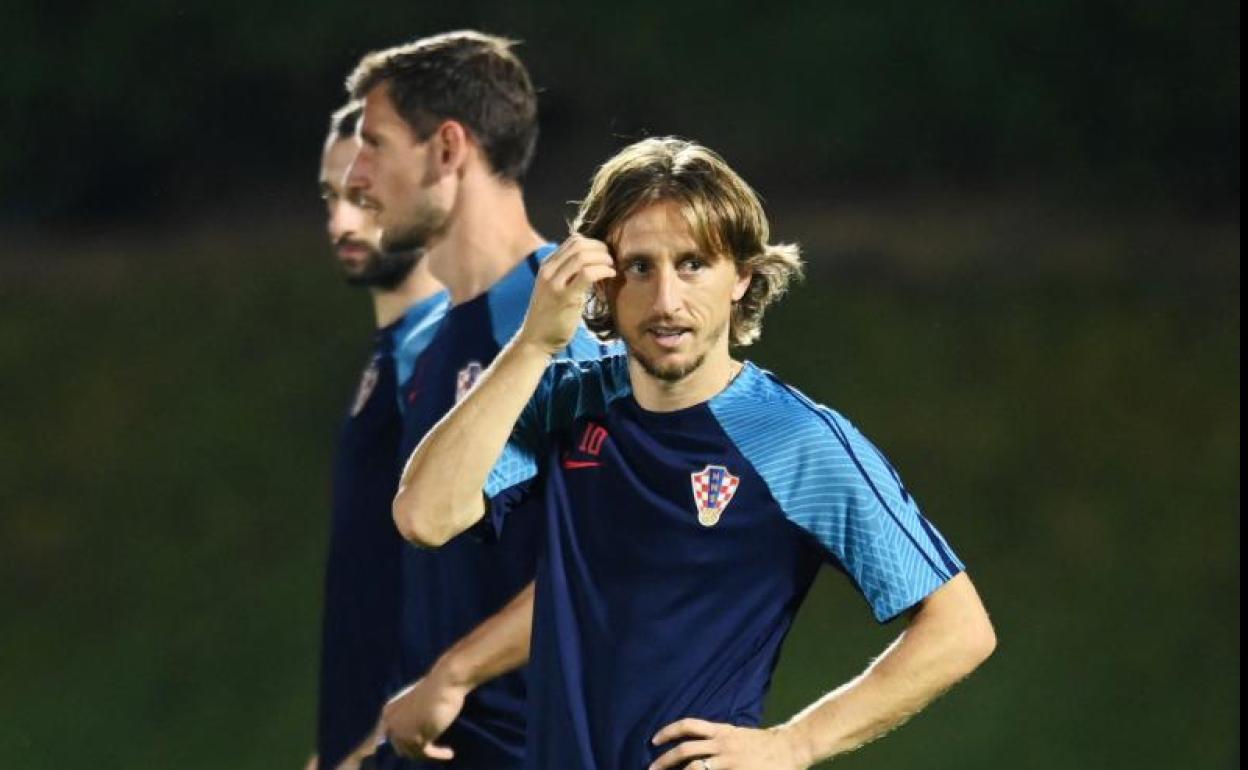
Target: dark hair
x=465, y=76
x=344, y=120
x=723, y=213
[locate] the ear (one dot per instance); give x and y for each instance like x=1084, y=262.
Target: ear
x=451, y=146
x=744, y=276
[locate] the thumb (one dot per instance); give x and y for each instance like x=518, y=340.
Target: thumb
x=440, y=753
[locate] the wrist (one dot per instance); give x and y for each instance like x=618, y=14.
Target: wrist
x=450, y=671
x=795, y=741
x=533, y=349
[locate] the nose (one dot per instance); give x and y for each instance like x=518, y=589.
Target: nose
x=360, y=172
x=336, y=224
x=667, y=288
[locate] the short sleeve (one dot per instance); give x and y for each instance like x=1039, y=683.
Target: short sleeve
x=871, y=524
x=517, y=468
x=509, y=480
x=586, y=347
x=833, y=483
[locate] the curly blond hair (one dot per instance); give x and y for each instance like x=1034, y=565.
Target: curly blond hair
x=724, y=216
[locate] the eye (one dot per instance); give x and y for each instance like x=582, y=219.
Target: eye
x=637, y=267
x=691, y=264
x=356, y=197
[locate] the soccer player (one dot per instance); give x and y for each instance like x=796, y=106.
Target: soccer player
x=449, y=128
x=688, y=498
x=360, y=625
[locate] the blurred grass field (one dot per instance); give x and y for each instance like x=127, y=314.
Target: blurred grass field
x=1059, y=390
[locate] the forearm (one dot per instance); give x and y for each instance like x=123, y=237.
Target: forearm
x=948, y=638
x=439, y=492
x=415, y=718
x=497, y=646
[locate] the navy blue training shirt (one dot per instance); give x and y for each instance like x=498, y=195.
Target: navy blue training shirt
x=677, y=547
x=359, y=644
x=450, y=591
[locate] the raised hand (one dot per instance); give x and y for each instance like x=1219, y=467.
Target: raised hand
x=559, y=293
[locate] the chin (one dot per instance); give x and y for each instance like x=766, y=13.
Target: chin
x=668, y=366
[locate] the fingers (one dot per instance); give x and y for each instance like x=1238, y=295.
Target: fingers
x=437, y=753
x=591, y=275
x=572, y=273
x=685, y=729
x=572, y=259
x=417, y=750
x=570, y=247
x=683, y=754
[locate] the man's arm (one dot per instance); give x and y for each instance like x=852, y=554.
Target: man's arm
x=440, y=491
x=948, y=638
x=414, y=719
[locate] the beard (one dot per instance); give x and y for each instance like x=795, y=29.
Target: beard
x=427, y=223
x=381, y=270
x=674, y=372
x=670, y=373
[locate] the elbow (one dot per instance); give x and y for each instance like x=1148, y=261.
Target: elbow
x=415, y=523
x=979, y=642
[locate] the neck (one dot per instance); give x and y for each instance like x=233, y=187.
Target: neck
x=489, y=234
x=389, y=305
x=700, y=385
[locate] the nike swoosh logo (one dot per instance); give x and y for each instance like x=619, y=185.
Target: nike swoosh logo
x=574, y=464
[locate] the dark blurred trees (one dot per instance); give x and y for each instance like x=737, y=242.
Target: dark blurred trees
x=130, y=107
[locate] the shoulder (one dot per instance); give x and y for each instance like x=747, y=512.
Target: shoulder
x=571, y=388
x=586, y=347
x=812, y=458
x=509, y=298
x=766, y=417
x=419, y=324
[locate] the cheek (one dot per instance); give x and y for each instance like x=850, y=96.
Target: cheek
x=703, y=301
x=369, y=225
x=623, y=297
x=629, y=301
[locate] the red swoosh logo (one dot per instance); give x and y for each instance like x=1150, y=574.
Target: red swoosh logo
x=574, y=464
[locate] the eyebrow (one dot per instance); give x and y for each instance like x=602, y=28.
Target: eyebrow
x=686, y=254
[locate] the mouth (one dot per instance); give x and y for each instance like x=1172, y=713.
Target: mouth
x=669, y=337
x=351, y=251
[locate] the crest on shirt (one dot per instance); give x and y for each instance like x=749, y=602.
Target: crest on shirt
x=368, y=381
x=713, y=488
x=466, y=379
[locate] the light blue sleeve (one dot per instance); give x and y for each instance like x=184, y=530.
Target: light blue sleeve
x=509, y=298
x=586, y=347
x=413, y=334
x=566, y=390
x=523, y=451
x=833, y=483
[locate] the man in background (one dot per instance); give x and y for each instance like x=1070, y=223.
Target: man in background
x=448, y=130
x=362, y=581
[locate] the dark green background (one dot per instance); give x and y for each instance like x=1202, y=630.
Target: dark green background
x=1023, y=233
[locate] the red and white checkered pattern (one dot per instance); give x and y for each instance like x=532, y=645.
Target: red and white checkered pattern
x=711, y=495
x=466, y=379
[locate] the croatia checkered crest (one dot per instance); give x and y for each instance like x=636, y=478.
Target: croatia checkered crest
x=466, y=379
x=713, y=488
x=368, y=381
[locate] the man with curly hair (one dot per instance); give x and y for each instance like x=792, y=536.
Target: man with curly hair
x=688, y=498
